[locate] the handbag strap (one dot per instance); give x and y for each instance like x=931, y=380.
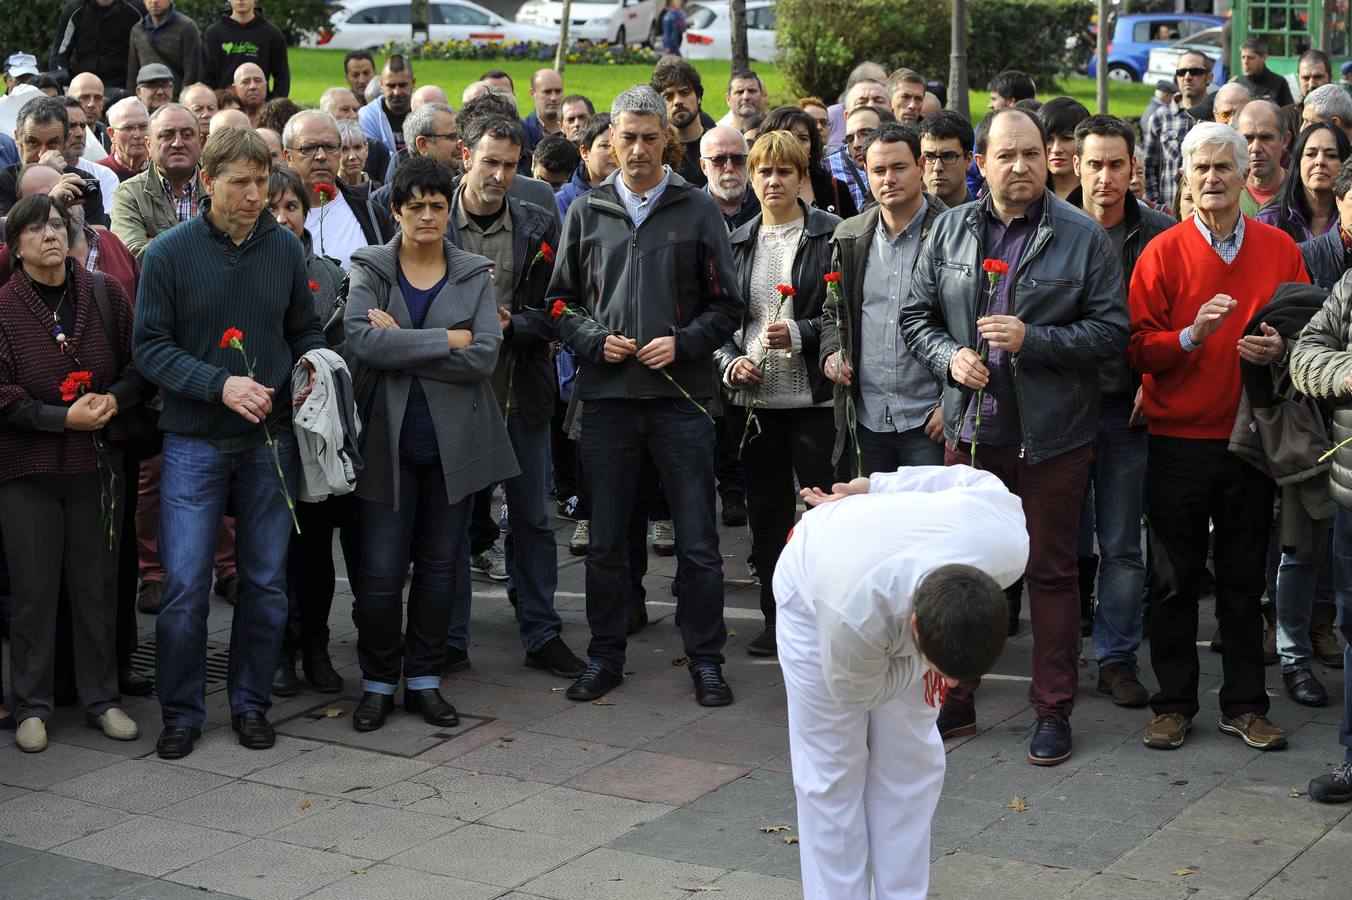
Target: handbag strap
x=106, y=314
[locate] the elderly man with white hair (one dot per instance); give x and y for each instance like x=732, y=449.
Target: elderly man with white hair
x=1331, y=104
x=722, y=158
x=1195, y=293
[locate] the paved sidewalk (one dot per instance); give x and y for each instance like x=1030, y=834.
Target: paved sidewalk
x=648, y=795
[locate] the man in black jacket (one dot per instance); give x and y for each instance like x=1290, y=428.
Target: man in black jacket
x=242, y=35
x=1262, y=82
x=93, y=35
x=645, y=264
x=1103, y=159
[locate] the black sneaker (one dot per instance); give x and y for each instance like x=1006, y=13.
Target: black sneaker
x=763, y=644
x=1335, y=787
x=711, y=688
x=555, y=658
x=595, y=683
x=956, y=721
x=734, y=510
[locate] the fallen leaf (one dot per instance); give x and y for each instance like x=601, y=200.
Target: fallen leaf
x=332, y=712
x=1297, y=792
x=680, y=660
x=556, y=690
x=1018, y=804
x=790, y=838
x=473, y=772
x=732, y=632
x=304, y=804
x=775, y=829
x=358, y=871
x=507, y=739
x=1184, y=873
x=604, y=701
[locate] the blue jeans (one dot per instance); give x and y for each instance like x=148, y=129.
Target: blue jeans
x=195, y=482
x=532, y=558
x=434, y=534
x=1112, y=511
x=1302, y=581
x=887, y=451
x=1342, y=577
x=680, y=440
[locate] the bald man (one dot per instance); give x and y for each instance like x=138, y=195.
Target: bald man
x=251, y=86
x=1227, y=102
x=202, y=101
x=228, y=118
x=428, y=93
x=546, y=90
x=723, y=153
x=477, y=89
x=87, y=89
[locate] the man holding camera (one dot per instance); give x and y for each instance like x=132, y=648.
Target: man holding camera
x=40, y=131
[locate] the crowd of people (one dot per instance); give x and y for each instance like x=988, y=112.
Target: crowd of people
x=234, y=327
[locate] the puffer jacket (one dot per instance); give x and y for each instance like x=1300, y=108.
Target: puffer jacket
x=811, y=261
x=1067, y=291
x=670, y=277
x=527, y=341
x=850, y=258
x=1324, y=259
x=1320, y=364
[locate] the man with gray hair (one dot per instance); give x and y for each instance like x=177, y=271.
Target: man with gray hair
x=429, y=130
x=1226, y=102
x=168, y=191
x=1194, y=292
x=339, y=102
x=650, y=321
x=1331, y=104
x=722, y=156
x=40, y=131
x=128, y=125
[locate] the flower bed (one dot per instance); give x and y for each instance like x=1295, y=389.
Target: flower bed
x=585, y=53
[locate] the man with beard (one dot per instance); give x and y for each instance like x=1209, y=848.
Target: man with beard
x=251, y=86
x=359, y=67
x=723, y=153
x=679, y=85
x=746, y=98
x=384, y=121
x=546, y=89
x=339, y=224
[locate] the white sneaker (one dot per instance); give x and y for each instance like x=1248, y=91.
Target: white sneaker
x=116, y=724
x=664, y=538
x=32, y=735
x=581, y=538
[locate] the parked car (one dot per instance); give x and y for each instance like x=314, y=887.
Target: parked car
x=619, y=22
x=368, y=24
x=709, y=30
x=1133, y=37
x=1164, y=60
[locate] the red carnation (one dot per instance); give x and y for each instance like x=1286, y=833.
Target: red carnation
x=995, y=267
x=325, y=190
x=785, y=290
x=231, y=338
x=559, y=309
x=314, y=286
x=831, y=277
x=75, y=384
x=547, y=251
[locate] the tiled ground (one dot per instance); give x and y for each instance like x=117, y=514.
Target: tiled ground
x=649, y=795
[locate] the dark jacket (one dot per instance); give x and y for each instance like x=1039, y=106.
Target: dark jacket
x=93, y=38
x=1068, y=292
x=535, y=132
x=1320, y=364
x=576, y=187
x=227, y=44
x=1267, y=85
x=1325, y=259
x=177, y=44
x=672, y=276
x=811, y=261
x=526, y=341
x=749, y=210
x=831, y=194
x=471, y=437
x=1117, y=381
x=375, y=219
x=95, y=213
x=850, y=249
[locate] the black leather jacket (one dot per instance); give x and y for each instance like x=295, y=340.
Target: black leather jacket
x=1068, y=292
x=811, y=261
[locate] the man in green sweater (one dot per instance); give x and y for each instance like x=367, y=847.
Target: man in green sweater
x=164, y=36
x=229, y=272
x=243, y=35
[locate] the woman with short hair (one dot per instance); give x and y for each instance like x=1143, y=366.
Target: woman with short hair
x=820, y=189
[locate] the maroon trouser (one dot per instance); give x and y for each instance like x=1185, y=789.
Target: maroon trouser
x=1052, y=492
x=148, y=529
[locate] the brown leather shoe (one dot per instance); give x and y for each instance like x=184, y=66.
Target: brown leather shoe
x=1167, y=731
x=1270, y=634
x=1323, y=640
x=148, y=597
x=1119, y=681
x=1255, y=730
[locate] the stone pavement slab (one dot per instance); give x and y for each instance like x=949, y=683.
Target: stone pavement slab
x=151, y=846
x=657, y=777
x=43, y=820
x=1312, y=876
x=964, y=876
x=491, y=855
x=612, y=875
x=537, y=757
x=219, y=751
x=50, y=875
x=339, y=772
x=567, y=813
x=1234, y=868
x=455, y=793
x=361, y=829
x=59, y=762
x=269, y=870
x=139, y=785
x=386, y=881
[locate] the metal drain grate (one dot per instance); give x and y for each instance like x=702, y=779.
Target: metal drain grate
x=218, y=662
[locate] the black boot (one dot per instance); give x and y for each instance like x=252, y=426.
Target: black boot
x=371, y=711
x=1088, y=576
x=284, y=680
x=320, y=673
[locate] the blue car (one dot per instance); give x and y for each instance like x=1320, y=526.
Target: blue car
x=1133, y=37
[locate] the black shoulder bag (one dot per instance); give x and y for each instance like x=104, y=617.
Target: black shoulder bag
x=142, y=421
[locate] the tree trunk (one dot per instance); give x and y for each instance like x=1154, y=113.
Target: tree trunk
x=561, y=54
x=1101, y=51
x=737, y=10
x=957, y=66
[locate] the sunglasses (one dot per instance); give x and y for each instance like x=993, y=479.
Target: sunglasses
x=1195, y=71
x=737, y=159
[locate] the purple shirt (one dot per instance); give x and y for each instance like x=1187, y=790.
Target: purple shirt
x=999, y=407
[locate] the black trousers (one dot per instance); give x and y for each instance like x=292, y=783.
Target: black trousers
x=312, y=576
x=791, y=442
x=1190, y=483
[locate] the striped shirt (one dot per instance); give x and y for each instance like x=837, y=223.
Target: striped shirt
x=1162, y=150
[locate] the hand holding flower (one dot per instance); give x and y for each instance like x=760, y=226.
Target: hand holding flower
x=1002, y=332
x=658, y=353
x=247, y=397
x=89, y=412
x=776, y=336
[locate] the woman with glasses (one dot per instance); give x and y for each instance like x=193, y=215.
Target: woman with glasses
x=772, y=362
x=1304, y=206
x=819, y=189
x=420, y=313
x=63, y=382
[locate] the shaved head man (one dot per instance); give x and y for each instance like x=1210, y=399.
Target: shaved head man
x=228, y=118
x=546, y=91
x=428, y=93
x=1266, y=130
x=251, y=86
x=202, y=101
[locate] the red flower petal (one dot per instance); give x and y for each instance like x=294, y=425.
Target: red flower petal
x=558, y=309
x=231, y=334
x=831, y=277
x=547, y=251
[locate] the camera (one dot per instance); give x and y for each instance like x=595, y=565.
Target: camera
x=89, y=187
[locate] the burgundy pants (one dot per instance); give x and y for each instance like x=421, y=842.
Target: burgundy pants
x=148, y=529
x=1052, y=493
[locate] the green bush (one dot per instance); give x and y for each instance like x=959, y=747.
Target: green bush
x=295, y=17
x=820, y=41
x=28, y=27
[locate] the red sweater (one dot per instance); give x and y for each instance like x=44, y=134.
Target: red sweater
x=1196, y=395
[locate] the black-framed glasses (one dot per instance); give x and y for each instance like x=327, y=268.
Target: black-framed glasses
x=309, y=150
x=947, y=157
x=1195, y=72
x=449, y=136
x=737, y=159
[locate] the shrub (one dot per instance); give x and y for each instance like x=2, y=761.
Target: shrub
x=28, y=27
x=1030, y=35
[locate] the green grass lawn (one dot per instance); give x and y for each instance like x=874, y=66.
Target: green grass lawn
x=314, y=71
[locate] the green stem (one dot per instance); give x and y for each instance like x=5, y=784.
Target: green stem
x=1336, y=447
x=754, y=400
x=272, y=445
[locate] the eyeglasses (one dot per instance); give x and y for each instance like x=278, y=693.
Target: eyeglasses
x=55, y=224
x=448, y=136
x=309, y=150
x=132, y=126
x=1195, y=72
x=947, y=158
x=737, y=159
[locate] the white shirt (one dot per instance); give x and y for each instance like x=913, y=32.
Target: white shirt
x=858, y=561
x=107, y=180
x=341, y=232
x=94, y=149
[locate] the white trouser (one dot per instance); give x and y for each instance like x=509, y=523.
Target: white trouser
x=867, y=781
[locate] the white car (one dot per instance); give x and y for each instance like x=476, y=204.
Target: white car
x=368, y=24
x=621, y=22
x=1164, y=60
x=709, y=31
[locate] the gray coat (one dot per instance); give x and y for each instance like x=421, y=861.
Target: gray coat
x=471, y=436
x=1321, y=361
